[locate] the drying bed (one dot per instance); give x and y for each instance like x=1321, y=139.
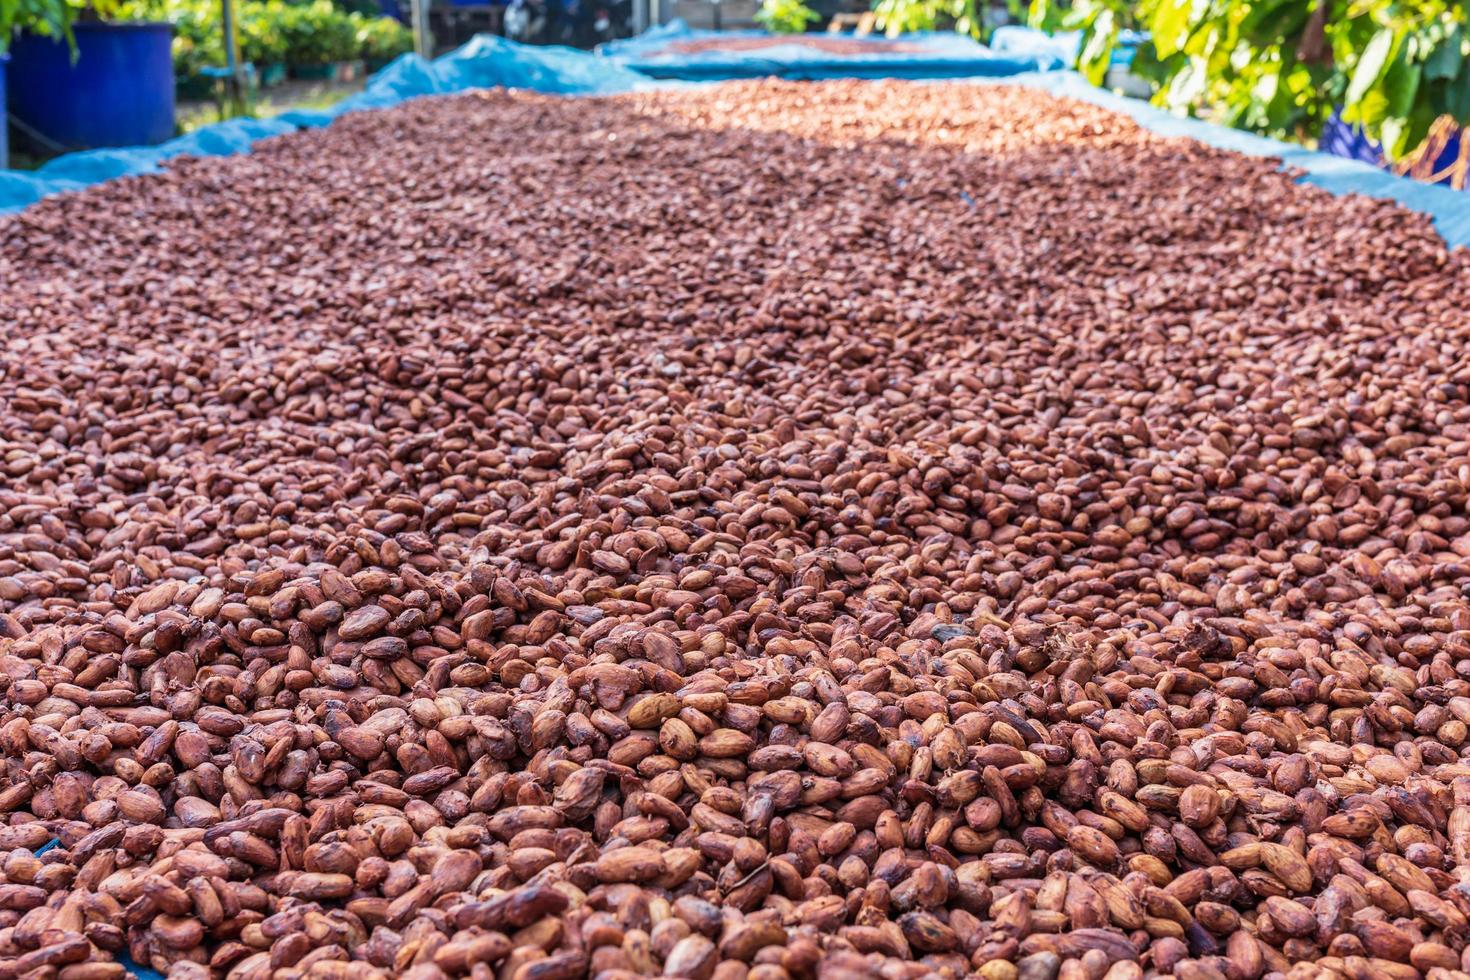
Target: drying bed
x=765, y=530
x=674, y=51
x=839, y=45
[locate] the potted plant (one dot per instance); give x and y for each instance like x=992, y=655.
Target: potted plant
x=381, y=39
x=197, y=45
x=786, y=16
x=89, y=76
x=263, y=41
x=321, y=41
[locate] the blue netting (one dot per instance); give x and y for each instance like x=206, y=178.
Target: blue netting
x=664, y=52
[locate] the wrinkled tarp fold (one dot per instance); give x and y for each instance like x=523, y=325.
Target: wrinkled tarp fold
x=19, y=188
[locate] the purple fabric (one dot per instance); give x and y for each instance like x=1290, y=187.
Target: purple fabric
x=1343, y=140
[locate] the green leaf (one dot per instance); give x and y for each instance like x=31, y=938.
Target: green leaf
x=1445, y=60
x=1401, y=84
x=1405, y=135
x=1370, y=66
x=1170, y=26
x=1267, y=12
x=1281, y=114
x=1368, y=111
x=1156, y=71
x=1098, y=51
x=785, y=16
x=1185, y=88
x=1457, y=99
x=1208, y=41
x=1281, y=24
x=1392, y=132
x=1266, y=84
x=1355, y=34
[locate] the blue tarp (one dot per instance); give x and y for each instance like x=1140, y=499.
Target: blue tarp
x=19, y=188
x=1343, y=139
x=141, y=972
x=484, y=62
x=1063, y=46
x=663, y=53
x=1450, y=209
x=490, y=61
x=1017, y=40
x=1338, y=139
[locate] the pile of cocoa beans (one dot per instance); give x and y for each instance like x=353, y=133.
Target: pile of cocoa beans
x=770, y=531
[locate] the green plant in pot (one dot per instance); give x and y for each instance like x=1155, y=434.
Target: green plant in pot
x=786, y=16
x=381, y=39
x=317, y=35
x=263, y=40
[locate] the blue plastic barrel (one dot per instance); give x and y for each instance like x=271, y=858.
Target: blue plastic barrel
x=119, y=92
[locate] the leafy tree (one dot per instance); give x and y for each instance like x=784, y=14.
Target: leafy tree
x=1281, y=67
x=1098, y=21
x=785, y=16
x=908, y=16
x=48, y=18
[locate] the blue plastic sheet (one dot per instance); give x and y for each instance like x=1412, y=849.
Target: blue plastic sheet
x=1016, y=40
x=126, y=961
x=490, y=61
x=1450, y=209
x=19, y=188
x=1348, y=140
x=1063, y=46
x=664, y=52
x=141, y=972
x=484, y=62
